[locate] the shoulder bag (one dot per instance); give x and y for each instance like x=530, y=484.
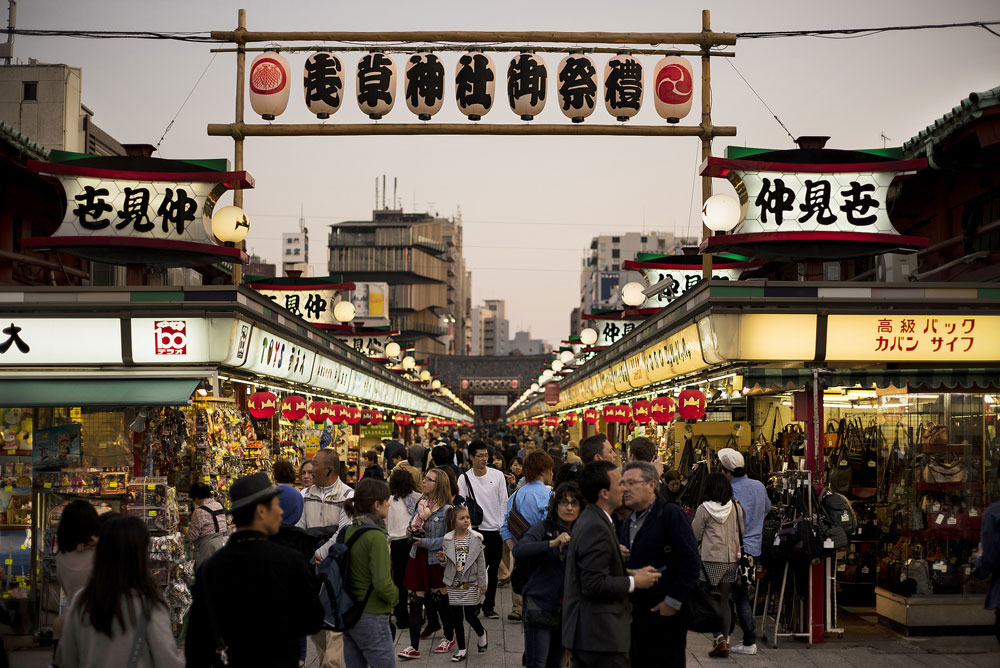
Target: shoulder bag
x=702, y=611
x=516, y=523
x=745, y=567
x=475, y=510
x=140, y=638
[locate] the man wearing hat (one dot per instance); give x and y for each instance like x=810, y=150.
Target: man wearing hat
x=752, y=496
x=254, y=598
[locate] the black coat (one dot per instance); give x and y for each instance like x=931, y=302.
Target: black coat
x=664, y=539
x=264, y=596
x=547, y=566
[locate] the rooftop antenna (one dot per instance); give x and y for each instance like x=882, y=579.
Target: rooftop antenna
x=395, y=200
x=884, y=139
x=383, y=191
x=376, y=193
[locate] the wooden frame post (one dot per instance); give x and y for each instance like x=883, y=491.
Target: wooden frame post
x=706, y=137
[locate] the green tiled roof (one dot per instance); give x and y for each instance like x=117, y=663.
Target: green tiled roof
x=969, y=109
x=23, y=143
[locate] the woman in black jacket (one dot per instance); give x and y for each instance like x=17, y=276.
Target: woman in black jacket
x=542, y=550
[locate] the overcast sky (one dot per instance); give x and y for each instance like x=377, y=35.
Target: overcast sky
x=530, y=204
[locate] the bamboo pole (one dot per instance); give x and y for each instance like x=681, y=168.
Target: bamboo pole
x=704, y=39
x=241, y=62
x=706, y=136
x=511, y=48
x=241, y=130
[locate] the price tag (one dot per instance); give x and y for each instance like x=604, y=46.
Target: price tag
x=102, y=445
x=47, y=485
x=12, y=452
x=841, y=568
x=208, y=478
x=940, y=566
x=845, y=517
x=871, y=464
x=112, y=485
x=777, y=541
x=9, y=562
x=828, y=544
x=864, y=570
x=150, y=486
x=952, y=521
x=973, y=512
x=939, y=520
x=842, y=463
x=968, y=570
x=152, y=513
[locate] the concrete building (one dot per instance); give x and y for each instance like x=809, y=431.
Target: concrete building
x=258, y=266
x=490, y=328
x=523, y=344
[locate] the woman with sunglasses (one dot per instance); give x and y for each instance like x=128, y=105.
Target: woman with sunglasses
x=542, y=549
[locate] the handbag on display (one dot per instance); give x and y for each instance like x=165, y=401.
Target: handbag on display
x=831, y=439
x=934, y=434
x=918, y=571
x=840, y=475
x=936, y=471
x=946, y=578
x=839, y=510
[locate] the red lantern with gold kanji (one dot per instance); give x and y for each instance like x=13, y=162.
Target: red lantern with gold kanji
x=318, y=411
x=570, y=419
x=353, y=415
x=293, y=407
x=402, y=419
x=419, y=421
x=640, y=411
x=366, y=416
x=376, y=416
x=262, y=404
x=608, y=413
x=551, y=421
x=623, y=413
x=338, y=412
x=691, y=404
x=662, y=410
x=590, y=416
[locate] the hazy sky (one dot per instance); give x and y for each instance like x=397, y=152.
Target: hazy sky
x=530, y=204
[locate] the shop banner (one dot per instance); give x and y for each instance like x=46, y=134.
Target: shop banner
x=380, y=430
x=913, y=338
x=186, y=340
x=678, y=354
x=312, y=303
x=332, y=376
x=675, y=282
x=610, y=332
x=275, y=356
x=26, y=340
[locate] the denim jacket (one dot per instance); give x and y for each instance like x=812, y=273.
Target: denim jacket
x=435, y=527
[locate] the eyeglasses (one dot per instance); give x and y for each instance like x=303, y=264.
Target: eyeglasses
x=633, y=483
x=430, y=479
x=482, y=455
x=569, y=503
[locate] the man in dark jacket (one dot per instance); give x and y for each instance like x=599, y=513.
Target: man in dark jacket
x=595, y=624
x=253, y=598
x=657, y=534
x=988, y=563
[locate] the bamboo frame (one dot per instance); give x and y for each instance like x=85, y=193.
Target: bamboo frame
x=511, y=48
x=241, y=130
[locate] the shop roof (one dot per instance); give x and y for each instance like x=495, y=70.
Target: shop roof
x=968, y=110
x=22, y=142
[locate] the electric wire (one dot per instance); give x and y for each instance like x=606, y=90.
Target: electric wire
x=851, y=33
x=181, y=108
x=766, y=106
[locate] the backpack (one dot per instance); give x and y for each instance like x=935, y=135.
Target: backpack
x=340, y=610
x=838, y=509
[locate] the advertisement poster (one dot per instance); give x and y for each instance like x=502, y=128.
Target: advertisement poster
x=56, y=447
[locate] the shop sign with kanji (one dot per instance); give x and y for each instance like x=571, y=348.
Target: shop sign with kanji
x=610, y=332
x=913, y=338
x=312, y=303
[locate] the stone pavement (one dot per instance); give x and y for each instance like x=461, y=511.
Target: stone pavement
x=864, y=645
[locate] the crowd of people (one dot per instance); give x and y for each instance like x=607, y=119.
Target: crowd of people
x=600, y=557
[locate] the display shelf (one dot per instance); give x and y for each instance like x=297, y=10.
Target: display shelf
x=948, y=486
x=941, y=534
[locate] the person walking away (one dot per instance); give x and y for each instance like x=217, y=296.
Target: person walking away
x=249, y=580
x=369, y=642
x=596, y=620
x=120, y=613
x=671, y=488
x=657, y=534
x=76, y=544
x=323, y=506
x=403, y=499
x=417, y=454
x=424, y=576
x=717, y=525
x=207, y=526
x=464, y=560
x=487, y=487
x=392, y=446
x=753, y=500
x=543, y=550
x=531, y=502
x=988, y=562
x=293, y=537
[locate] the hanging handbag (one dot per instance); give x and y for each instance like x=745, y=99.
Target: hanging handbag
x=475, y=510
x=936, y=471
x=934, y=434
x=702, y=611
x=831, y=439
x=840, y=475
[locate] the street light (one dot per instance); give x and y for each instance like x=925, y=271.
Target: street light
x=588, y=336
x=566, y=356
x=425, y=375
x=344, y=312
x=632, y=294
x=557, y=365
x=230, y=225
x=436, y=384
x=392, y=350
x=409, y=362
x=721, y=213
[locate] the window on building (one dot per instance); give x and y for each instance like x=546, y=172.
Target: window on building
x=615, y=252
x=643, y=240
x=614, y=267
x=31, y=91
x=615, y=240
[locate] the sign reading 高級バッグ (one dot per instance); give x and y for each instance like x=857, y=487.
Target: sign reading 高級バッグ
x=139, y=210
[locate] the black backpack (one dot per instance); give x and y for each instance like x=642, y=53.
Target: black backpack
x=839, y=511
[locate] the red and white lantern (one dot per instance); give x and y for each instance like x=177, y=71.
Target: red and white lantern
x=691, y=404
x=270, y=83
x=640, y=411
x=262, y=405
x=318, y=411
x=338, y=412
x=353, y=415
x=402, y=419
x=663, y=410
x=323, y=84
x=673, y=83
x=591, y=416
x=293, y=407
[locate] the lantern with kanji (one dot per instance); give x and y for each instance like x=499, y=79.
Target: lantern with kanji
x=376, y=416
x=402, y=419
x=691, y=404
x=338, y=412
x=318, y=411
x=353, y=415
x=662, y=409
x=551, y=421
x=270, y=79
x=475, y=84
x=570, y=419
x=591, y=416
x=367, y=415
x=293, y=407
x=419, y=421
x=673, y=83
x=527, y=79
x=640, y=411
x=376, y=84
x=623, y=413
x=576, y=87
x=424, y=84
x=623, y=86
x=608, y=413
x=323, y=84
x=262, y=404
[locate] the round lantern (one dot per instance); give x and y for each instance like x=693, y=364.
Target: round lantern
x=392, y=350
x=623, y=413
x=608, y=413
x=269, y=84
x=566, y=356
x=318, y=411
x=721, y=213
x=475, y=84
x=425, y=375
x=570, y=419
x=420, y=421
x=376, y=416
x=344, y=311
x=402, y=419
x=551, y=421
x=338, y=412
x=691, y=404
x=230, y=225
x=353, y=415
x=576, y=87
x=376, y=84
x=623, y=86
x=262, y=404
x=588, y=336
x=640, y=411
x=323, y=84
x=293, y=407
x=527, y=79
x=673, y=82
x=409, y=362
x=590, y=416
x=557, y=365
x=632, y=294
x=435, y=384
x=662, y=409
x=424, y=84
x=367, y=415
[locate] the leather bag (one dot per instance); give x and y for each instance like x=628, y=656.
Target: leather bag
x=936, y=471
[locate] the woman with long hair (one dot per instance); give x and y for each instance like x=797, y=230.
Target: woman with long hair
x=369, y=642
x=403, y=498
x=76, y=543
x=717, y=525
x=120, y=615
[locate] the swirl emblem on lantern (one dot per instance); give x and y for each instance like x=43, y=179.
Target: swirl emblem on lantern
x=673, y=79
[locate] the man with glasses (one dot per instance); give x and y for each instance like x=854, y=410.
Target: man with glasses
x=488, y=488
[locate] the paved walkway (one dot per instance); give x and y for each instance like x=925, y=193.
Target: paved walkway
x=864, y=645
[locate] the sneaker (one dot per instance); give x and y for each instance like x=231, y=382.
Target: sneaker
x=409, y=653
x=444, y=646
x=514, y=616
x=744, y=649
x=429, y=631
x=490, y=614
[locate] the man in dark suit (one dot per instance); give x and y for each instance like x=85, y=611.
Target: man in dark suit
x=657, y=535
x=595, y=625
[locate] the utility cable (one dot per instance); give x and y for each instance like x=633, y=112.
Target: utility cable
x=762, y=101
x=850, y=33
x=171, y=123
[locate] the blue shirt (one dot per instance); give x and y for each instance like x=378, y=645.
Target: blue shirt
x=532, y=503
x=753, y=498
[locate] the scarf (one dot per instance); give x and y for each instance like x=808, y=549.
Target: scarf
x=425, y=508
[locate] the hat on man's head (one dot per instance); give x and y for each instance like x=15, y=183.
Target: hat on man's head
x=291, y=504
x=251, y=489
x=731, y=459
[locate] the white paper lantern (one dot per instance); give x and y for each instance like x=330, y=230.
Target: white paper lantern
x=323, y=84
x=566, y=356
x=475, y=84
x=576, y=87
x=424, y=84
x=376, y=84
x=623, y=86
x=632, y=294
x=392, y=350
x=534, y=387
x=588, y=336
x=527, y=79
x=270, y=79
x=435, y=384
x=230, y=225
x=409, y=362
x=721, y=213
x=344, y=311
x=557, y=365
x=425, y=375
x=673, y=88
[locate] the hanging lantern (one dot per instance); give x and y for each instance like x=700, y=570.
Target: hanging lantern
x=269, y=84
x=353, y=415
x=318, y=411
x=608, y=413
x=424, y=88
x=419, y=421
x=402, y=419
x=662, y=410
x=590, y=416
x=323, y=84
x=338, y=412
x=588, y=336
x=570, y=419
x=527, y=78
x=691, y=404
x=623, y=86
x=623, y=413
x=376, y=84
x=673, y=83
x=551, y=421
x=293, y=407
x=640, y=411
x=576, y=86
x=262, y=404
x=377, y=416
x=367, y=415
x=475, y=84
